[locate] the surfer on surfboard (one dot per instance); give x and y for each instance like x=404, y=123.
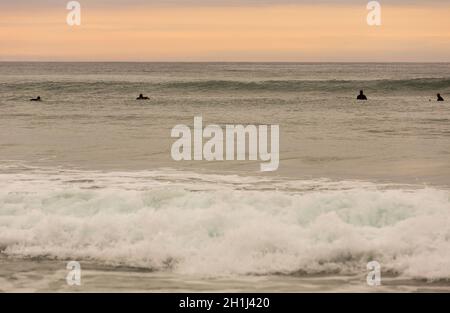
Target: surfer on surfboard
x=361, y=96
x=141, y=97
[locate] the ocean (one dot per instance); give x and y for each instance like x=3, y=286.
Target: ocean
x=87, y=175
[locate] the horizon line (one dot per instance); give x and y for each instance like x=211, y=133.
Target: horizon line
x=285, y=62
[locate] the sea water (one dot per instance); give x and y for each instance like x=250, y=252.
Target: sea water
x=87, y=173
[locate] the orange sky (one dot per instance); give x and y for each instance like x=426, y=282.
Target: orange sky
x=267, y=33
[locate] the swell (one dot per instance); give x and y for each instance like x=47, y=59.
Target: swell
x=311, y=85
x=98, y=87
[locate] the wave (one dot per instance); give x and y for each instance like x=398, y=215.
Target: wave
x=114, y=87
x=225, y=225
x=317, y=85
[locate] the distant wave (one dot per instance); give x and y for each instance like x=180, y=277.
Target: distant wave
x=182, y=222
x=312, y=85
x=98, y=87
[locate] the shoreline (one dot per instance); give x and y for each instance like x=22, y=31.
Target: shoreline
x=33, y=275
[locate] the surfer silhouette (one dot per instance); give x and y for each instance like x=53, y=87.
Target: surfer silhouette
x=361, y=96
x=36, y=99
x=141, y=97
x=439, y=98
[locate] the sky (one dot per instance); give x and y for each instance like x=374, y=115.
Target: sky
x=219, y=30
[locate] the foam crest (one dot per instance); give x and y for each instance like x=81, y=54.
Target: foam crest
x=220, y=225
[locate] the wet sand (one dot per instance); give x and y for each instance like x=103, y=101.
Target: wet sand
x=27, y=275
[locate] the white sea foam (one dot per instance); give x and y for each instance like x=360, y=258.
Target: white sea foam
x=219, y=225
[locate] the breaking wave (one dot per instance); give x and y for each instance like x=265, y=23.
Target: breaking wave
x=225, y=225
